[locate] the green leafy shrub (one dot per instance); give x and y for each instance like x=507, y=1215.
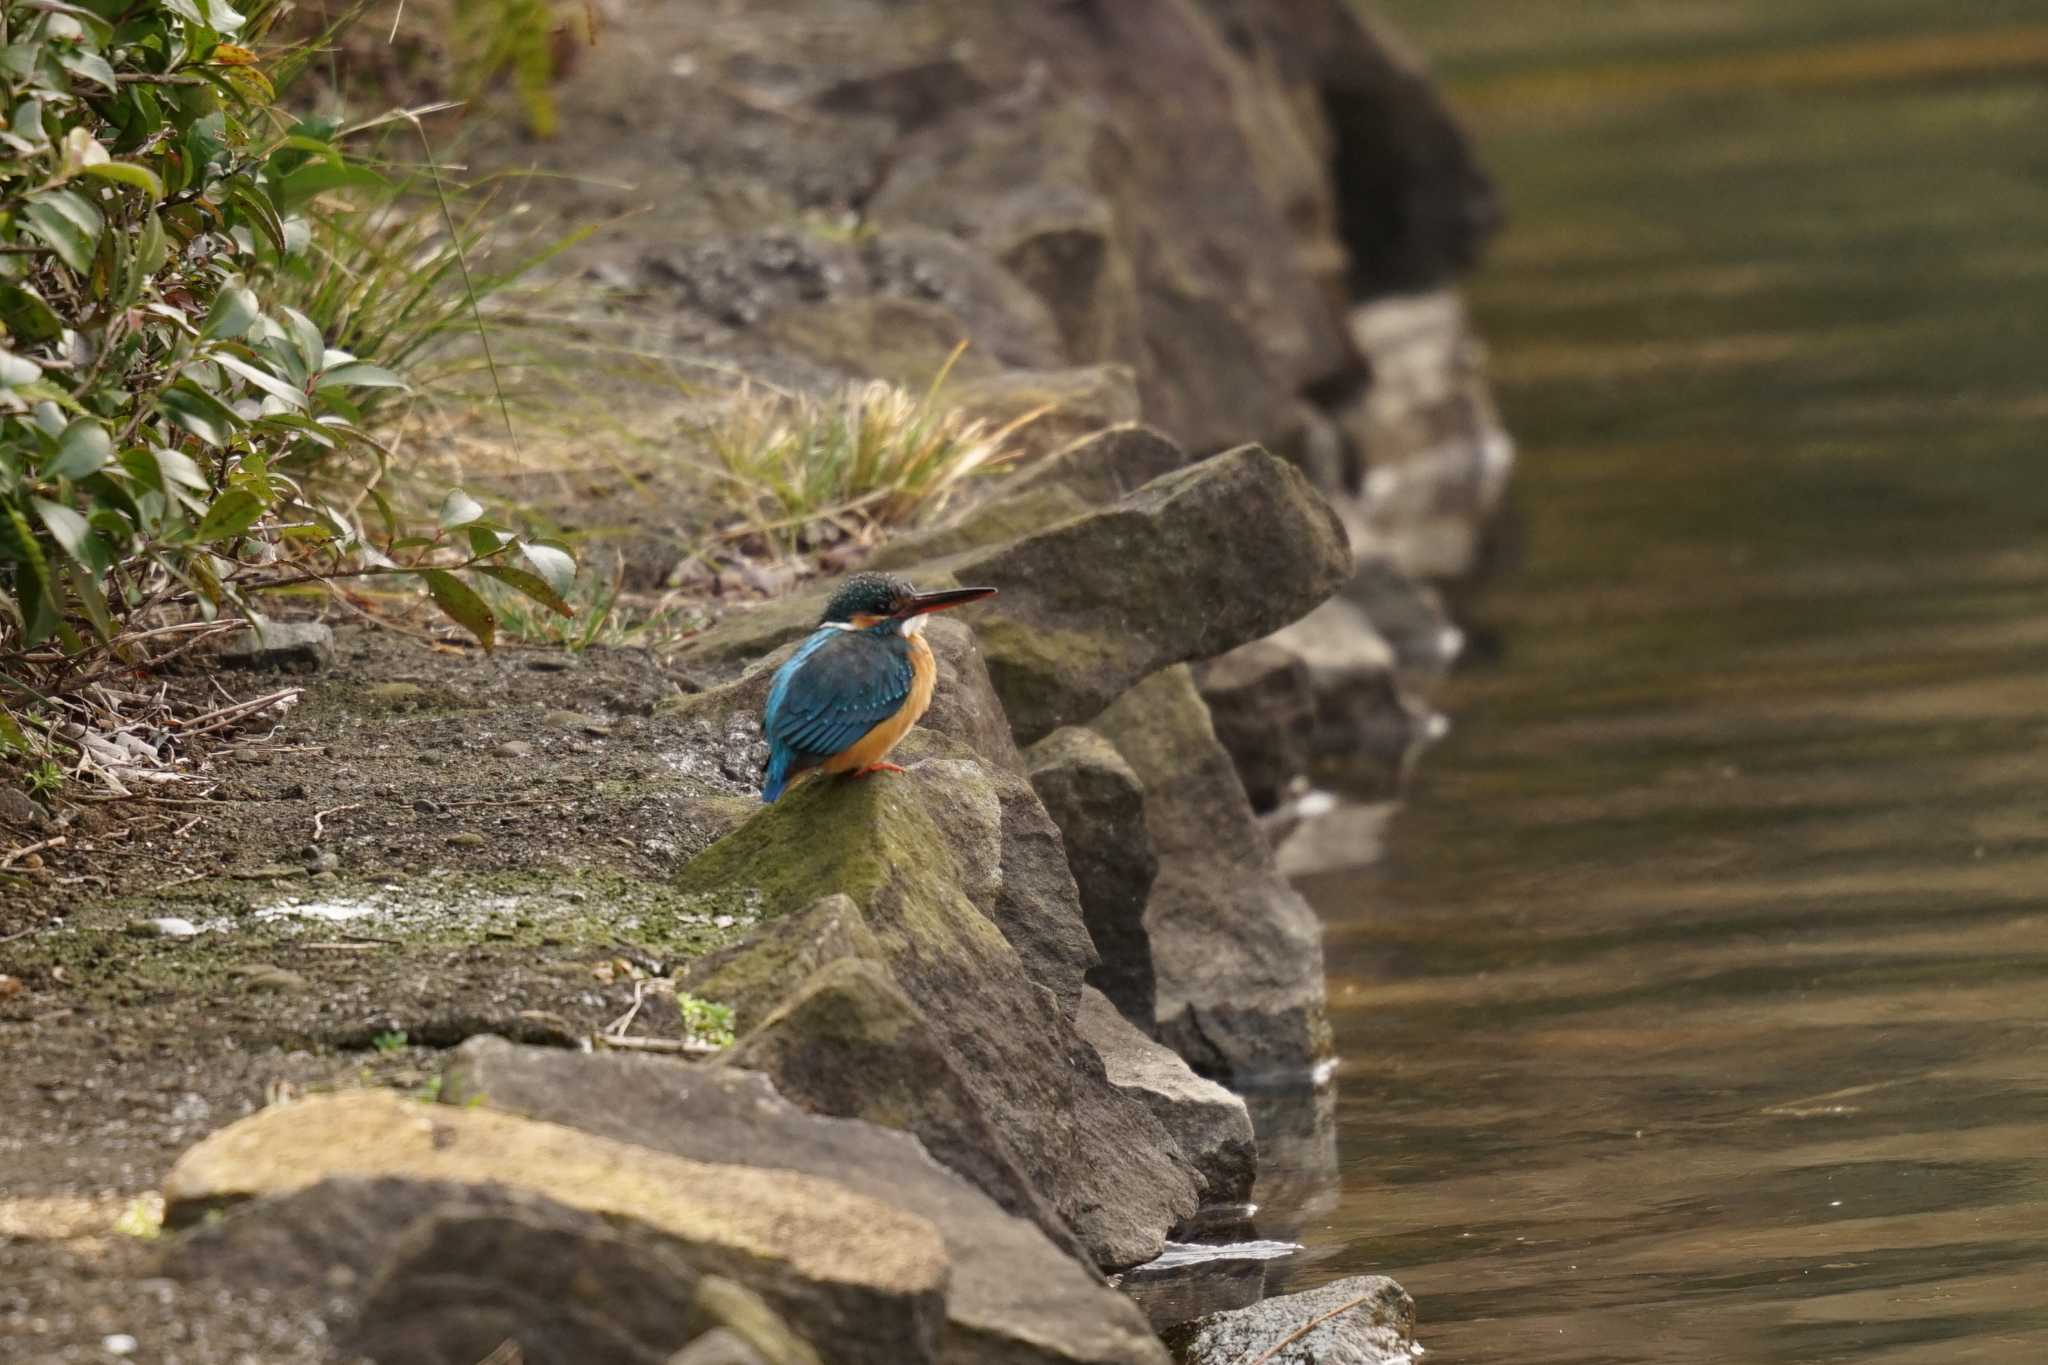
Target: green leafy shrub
x=174, y=433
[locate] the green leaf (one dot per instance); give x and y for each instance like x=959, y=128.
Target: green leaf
x=18, y=543
x=486, y=539
x=17, y=370
x=153, y=248
x=234, y=512
x=311, y=181
x=461, y=603
x=176, y=467
x=199, y=412
x=256, y=206
x=360, y=374
x=130, y=174
x=24, y=313
x=84, y=448
x=530, y=584
x=68, y=225
x=459, y=509
x=217, y=15
x=234, y=308
x=88, y=66
x=265, y=381
x=67, y=528
x=87, y=590
x=555, y=565
x=306, y=336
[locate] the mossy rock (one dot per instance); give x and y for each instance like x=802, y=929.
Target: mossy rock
x=921, y=854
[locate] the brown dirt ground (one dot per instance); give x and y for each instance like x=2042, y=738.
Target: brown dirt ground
x=473, y=888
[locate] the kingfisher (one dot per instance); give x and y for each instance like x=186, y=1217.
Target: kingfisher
x=857, y=684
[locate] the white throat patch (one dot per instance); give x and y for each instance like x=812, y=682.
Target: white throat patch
x=913, y=626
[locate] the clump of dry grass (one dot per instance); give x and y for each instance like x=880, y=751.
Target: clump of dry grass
x=870, y=457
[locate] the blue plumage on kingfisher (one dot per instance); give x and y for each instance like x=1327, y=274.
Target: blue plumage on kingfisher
x=855, y=687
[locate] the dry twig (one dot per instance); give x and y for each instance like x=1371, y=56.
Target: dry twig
x=56, y=841
x=321, y=815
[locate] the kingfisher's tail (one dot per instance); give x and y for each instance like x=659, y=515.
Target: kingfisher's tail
x=780, y=761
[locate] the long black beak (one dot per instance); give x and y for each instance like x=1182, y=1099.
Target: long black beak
x=923, y=602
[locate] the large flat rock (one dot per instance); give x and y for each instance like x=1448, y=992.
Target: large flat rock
x=838, y=1264
x=1012, y=1296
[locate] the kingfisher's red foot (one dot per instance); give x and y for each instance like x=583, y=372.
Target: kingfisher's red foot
x=874, y=768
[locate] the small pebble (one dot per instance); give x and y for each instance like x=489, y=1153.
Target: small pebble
x=167, y=926
x=469, y=838
x=514, y=748
x=264, y=976
x=723, y=921
x=10, y=986
x=119, y=1344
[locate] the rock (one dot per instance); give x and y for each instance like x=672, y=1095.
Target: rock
x=755, y=976
x=921, y=854
x=1193, y=563
x=1409, y=615
x=471, y=1274
x=1098, y=468
x=839, y=1266
x=1065, y=637
x=1236, y=953
x=1319, y=698
x=727, y=1309
x=16, y=808
x=718, y=1347
x=1034, y=901
x=163, y=926
x=468, y=838
x=1006, y=320
x=1263, y=710
x=260, y=978
x=1012, y=1296
x=1367, y=730
x=1098, y=803
x=1321, y=834
x=1413, y=206
x=287, y=646
x=1372, y=1322
x=1074, y=403
x=1212, y=1126
x=395, y=695
x=513, y=748
x=848, y=1042
x=1436, y=455
x=1121, y=215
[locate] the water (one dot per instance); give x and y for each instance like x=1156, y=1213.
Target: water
x=1699, y=1011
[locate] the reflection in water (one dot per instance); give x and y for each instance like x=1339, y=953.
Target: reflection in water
x=1699, y=1012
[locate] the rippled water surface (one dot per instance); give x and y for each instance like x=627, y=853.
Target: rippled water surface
x=1699, y=1012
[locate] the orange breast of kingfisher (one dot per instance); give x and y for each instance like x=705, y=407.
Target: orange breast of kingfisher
x=874, y=746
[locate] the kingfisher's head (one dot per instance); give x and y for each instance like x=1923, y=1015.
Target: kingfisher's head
x=867, y=600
